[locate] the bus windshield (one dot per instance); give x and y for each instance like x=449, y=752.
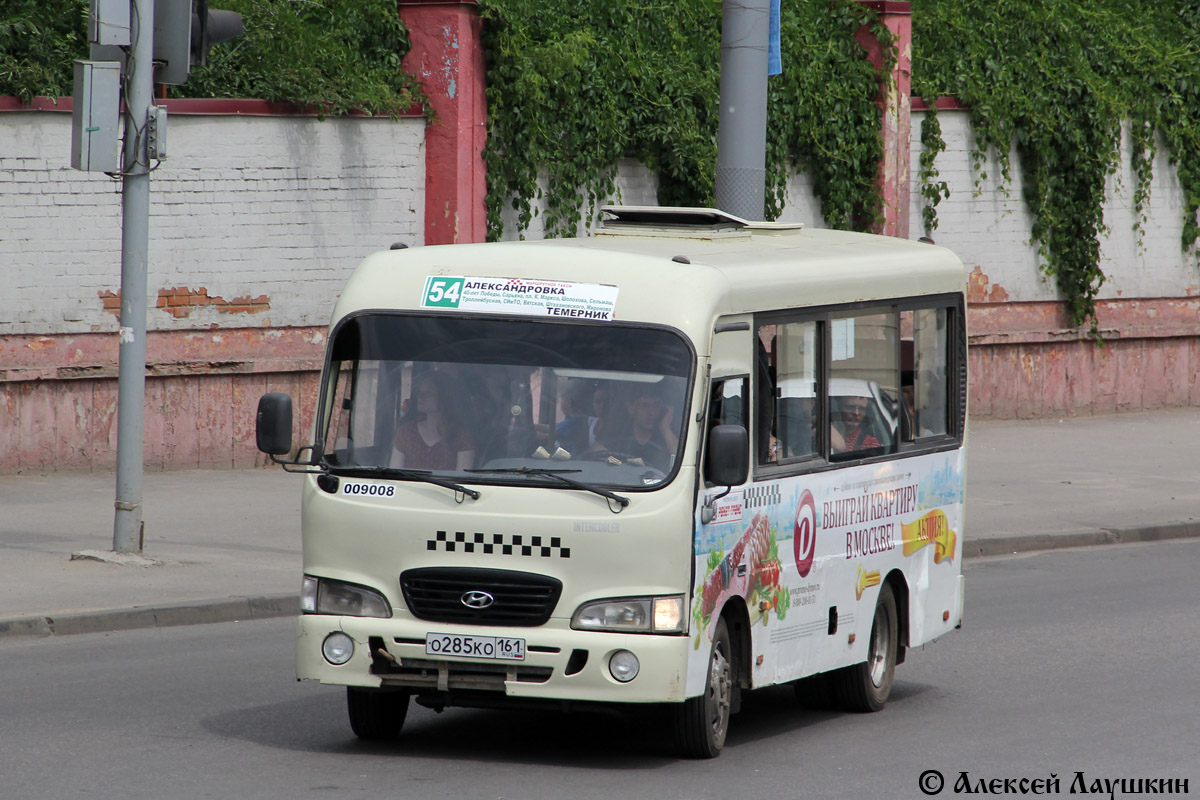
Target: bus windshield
x=500, y=400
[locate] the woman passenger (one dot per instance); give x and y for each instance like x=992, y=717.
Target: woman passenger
x=432, y=436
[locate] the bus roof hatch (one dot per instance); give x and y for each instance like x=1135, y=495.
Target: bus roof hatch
x=682, y=222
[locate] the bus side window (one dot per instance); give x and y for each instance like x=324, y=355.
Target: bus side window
x=863, y=388
x=796, y=402
x=766, y=444
x=931, y=384
x=924, y=372
x=728, y=403
x=787, y=401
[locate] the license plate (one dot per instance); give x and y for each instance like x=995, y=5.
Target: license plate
x=506, y=648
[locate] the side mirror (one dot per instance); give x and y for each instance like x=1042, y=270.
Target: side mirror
x=273, y=425
x=727, y=462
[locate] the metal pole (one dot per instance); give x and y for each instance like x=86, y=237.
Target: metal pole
x=135, y=242
x=742, y=126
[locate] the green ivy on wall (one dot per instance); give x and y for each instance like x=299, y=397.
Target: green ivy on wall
x=573, y=88
x=336, y=56
x=933, y=191
x=823, y=117
x=1055, y=80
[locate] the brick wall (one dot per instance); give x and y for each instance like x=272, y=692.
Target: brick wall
x=988, y=225
x=273, y=210
x=256, y=221
x=1026, y=360
x=638, y=186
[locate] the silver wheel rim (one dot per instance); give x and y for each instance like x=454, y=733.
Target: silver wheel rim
x=878, y=657
x=717, y=700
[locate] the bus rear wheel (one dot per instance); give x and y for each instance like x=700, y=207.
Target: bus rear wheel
x=701, y=723
x=865, y=687
x=376, y=713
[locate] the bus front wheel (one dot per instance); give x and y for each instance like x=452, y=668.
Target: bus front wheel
x=376, y=713
x=701, y=723
x=865, y=687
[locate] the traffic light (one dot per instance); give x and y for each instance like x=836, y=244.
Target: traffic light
x=212, y=26
x=184, y=32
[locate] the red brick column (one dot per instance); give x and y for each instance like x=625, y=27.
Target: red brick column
x=447, y=57
x=895, y=106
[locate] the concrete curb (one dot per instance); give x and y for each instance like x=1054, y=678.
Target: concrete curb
x=231, y=609
x=234, y=609
x=1007, y=545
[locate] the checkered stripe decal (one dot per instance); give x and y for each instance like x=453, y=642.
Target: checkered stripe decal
x=756, y=496
x=499, y=544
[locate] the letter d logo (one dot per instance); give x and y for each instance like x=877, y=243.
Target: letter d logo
x=804, y=537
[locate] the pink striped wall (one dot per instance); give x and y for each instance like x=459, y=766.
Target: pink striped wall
x=1026, y=362
x=58, y=397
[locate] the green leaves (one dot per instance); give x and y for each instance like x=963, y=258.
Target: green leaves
x=932, y=190
x=333, y=55
x=573, y=88
x=336, y=56
x=39, y=40
x=822, y=113
x=1055, y=79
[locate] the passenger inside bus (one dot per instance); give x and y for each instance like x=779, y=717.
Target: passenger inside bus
x=432, y=434
x=601, y=408
x=649, y=432
x=572, y=434
x=855, y=429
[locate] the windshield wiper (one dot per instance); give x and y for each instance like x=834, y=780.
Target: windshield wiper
x=558, y=475
x=410, y=474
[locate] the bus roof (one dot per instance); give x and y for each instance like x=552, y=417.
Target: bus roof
x=678, y=270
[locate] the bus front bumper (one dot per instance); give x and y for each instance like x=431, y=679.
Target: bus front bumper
x=559, y=664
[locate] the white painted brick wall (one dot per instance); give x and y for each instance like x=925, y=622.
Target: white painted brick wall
x=635, y=186
x=285, y=207
x=638, y=186
x=991, y=229
x=243, y=206
x=801, y=203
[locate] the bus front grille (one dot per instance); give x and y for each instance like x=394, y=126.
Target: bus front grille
x=480, y=596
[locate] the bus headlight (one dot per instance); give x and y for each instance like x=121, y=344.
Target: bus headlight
x=632, y=615
x=338, y=648
x=624, y=666
x=326, y=596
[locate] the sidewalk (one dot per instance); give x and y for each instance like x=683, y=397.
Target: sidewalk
x=228, y=542
x=1035, y=485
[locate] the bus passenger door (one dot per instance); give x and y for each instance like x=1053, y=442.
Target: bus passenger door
x=720, y=570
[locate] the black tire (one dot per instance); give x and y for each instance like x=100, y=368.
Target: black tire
x=865, y=687
x=701, y=723
x=376, y=713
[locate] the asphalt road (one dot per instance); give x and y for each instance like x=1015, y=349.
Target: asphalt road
x=1070, y=661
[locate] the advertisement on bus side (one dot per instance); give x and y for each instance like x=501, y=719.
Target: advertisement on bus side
x=796, y=547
